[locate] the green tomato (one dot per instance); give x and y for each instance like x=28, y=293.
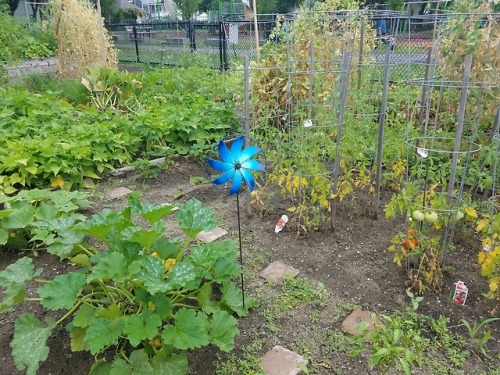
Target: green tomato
x=431, y=217
x=418, y=215
x=459, y=215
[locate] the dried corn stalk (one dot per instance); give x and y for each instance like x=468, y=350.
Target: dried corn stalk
x=82, y=39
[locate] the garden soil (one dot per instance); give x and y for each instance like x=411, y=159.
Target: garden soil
x=352, y=262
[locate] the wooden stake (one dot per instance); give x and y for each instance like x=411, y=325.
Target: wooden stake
x=256, y=26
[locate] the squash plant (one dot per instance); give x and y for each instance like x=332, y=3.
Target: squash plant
x=39, y=218
x=148, y=297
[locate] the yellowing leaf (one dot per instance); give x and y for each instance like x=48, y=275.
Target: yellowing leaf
x=471, y=212
x=292, y=209
x=493, y=284
x=58, y=182
x=481, y=224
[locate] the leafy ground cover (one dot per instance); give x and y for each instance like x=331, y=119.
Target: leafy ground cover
x=339, y=272
x=67, y=135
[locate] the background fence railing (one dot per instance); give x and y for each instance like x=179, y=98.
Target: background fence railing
x=223, y=45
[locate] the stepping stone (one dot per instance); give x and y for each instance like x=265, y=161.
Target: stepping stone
x=281, y=361
x=118, y=193
x=350, y=324
x=212, y=235
x=276, y=271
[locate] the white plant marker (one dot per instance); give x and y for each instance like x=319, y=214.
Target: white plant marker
x=461, y=292
x=281, y=223
x=422, y=152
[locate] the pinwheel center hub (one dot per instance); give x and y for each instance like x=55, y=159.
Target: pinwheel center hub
x=237, y=166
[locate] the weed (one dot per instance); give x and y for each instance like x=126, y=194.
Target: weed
x=476, y=339
x=249, y=364
x=293, y=294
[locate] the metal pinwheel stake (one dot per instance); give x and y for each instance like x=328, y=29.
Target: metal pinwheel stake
x=236, y=166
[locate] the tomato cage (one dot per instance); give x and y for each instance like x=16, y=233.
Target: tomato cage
x=294, y=108
x=449, y=130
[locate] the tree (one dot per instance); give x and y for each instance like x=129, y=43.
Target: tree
x=187, y=7
x=266, y=6
x=106, y=7
x=11, y=5
x=285, y=6
x=206, y=5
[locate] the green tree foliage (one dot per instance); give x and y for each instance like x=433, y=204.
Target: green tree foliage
x=10, y=4
x=106, y=7
x=206, y=5
x=285, y=6
x=267, y=6
x=187, y=7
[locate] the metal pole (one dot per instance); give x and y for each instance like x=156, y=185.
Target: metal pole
x=101, y=34
x=311, y=77
x=381, y=122
x=496, y=126
x=224, y=47
x=346, y=62
x=246, y=120
x=423, y=100
x=134, y=29
x=460, y=126
x=361, y=42
x=256, y=25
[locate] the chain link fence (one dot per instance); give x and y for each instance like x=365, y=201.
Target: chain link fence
x=223, y=45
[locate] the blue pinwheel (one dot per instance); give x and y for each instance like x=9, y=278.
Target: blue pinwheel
x=236, y=165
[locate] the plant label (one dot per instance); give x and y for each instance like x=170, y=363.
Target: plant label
x=422, y=152
x=281, y=223
x=461, y=292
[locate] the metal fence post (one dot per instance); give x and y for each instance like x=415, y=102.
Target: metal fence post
x=222, y=47
x=192, y=42
x=134, y=29
x=221, y=58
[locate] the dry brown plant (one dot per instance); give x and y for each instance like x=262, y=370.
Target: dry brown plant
x=83, y=41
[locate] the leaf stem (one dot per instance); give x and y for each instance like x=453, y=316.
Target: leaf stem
x=69, y=313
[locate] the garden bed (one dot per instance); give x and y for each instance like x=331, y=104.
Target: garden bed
x=352, y=263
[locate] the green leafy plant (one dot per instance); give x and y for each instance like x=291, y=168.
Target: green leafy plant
x=52, y=137
x=37, y=218
x=393, y=344
x=18, y=41
x=479, y=340
x=415, y=300
x=109, y=88
x=398, y=342
x=149, y=297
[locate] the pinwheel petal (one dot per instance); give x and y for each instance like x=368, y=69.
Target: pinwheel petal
x=224, y=153
x=247, y=153
x=225, y=177
x=237, y=180
x=236, y=148
x=248, y=178
x=253, y=165
x=220, y=165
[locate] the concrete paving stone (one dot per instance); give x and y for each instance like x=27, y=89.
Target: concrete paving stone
x=276, y=271
x=118, y=193
x=212, y=235
x=351, y=323
x=281, y=361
